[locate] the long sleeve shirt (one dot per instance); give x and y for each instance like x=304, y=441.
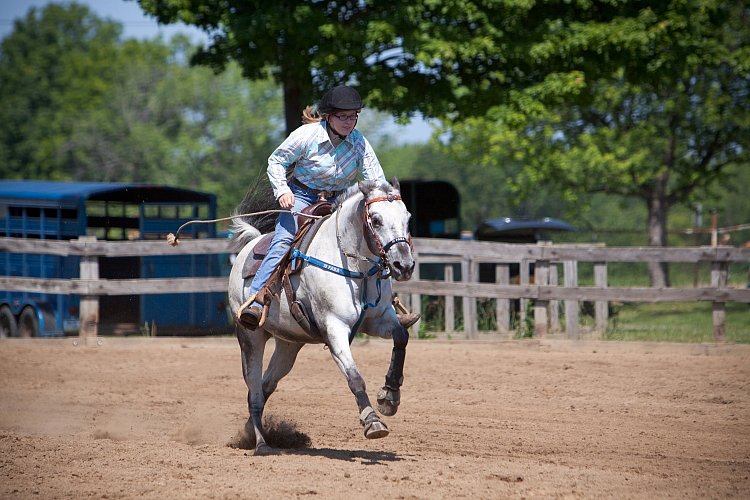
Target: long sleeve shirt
x=318, y=164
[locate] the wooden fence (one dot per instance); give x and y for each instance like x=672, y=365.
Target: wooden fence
x=543, y=294
x=546, y=291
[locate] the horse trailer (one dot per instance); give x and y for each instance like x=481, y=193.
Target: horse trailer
x=49, y=210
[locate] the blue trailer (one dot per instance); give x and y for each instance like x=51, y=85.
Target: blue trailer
x=110, y=211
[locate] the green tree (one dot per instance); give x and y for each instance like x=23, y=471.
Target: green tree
x=449, y=58
x=664, y=129
x=167, y=123
x=81, y=104
x=54, y=68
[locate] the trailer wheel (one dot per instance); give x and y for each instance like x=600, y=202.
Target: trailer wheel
x=8, y=324
x=28, y=323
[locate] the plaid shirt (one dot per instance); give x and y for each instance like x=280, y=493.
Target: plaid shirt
x=320, y=165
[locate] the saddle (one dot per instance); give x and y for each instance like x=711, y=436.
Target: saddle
x=306, y=229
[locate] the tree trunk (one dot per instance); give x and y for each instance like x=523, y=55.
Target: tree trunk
x=658, y=207
x=292, y=105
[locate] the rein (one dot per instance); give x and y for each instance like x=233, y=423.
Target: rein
x=172, y=237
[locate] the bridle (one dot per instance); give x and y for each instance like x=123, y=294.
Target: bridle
x=374, y=244
x=371, y=237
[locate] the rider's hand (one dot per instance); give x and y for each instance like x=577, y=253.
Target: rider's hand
x=286, y=200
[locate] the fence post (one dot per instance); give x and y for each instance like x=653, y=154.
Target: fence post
x=467, y=302
x=541, y=277
x=523, y=279
x=719, y=280
x=554, y=305
x=88, y=315
x=502, y=306
x=570, y=279
x=601, y=307
x=415, y=299
x=450, y=305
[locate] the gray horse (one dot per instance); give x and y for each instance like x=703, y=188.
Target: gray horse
x=345, y=285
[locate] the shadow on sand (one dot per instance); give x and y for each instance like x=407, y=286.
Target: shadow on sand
x=366, y=457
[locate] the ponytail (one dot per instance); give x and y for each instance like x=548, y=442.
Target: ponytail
x=311, y=115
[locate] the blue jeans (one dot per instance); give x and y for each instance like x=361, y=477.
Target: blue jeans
x=286, y=228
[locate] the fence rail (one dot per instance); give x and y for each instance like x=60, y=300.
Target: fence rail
x=544, y=293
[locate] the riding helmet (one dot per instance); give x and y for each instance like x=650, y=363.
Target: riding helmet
x=341, y=97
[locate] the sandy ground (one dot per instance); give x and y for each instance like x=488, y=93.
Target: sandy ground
x=157, y=418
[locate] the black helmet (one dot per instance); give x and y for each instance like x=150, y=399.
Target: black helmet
x=341, y=97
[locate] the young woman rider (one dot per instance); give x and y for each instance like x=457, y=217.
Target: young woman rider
x=324, y=156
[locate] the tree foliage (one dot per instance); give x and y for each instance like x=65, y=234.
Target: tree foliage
x=541, y=100
x=80, y=103
x=663, y=129
x=449, y=58
x=54, y=68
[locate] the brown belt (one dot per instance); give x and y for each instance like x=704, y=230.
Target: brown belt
x=322, y=193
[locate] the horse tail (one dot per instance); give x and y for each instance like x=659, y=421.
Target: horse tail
x=242, y=233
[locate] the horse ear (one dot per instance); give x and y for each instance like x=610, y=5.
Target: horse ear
x=396, y=185
x=363, y=187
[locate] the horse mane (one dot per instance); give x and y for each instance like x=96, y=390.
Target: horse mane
x=366, y=186
x=344, y=195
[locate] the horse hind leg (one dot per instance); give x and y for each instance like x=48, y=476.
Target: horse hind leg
x=252, y=345
x=281, y=363
x=389, y=396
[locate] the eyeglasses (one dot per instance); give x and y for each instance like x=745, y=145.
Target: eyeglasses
x=347, y=118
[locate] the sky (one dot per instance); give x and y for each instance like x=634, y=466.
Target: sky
x=137, y=25
x=127, y=12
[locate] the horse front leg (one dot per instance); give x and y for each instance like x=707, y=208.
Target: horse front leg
x=389, y=397
x=341, y=352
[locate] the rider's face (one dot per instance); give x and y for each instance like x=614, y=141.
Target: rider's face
x=345, y=120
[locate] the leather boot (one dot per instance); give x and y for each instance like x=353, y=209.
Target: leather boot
x=250, y=316
x=407, y=320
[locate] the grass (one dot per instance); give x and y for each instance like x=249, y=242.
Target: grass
x=678, y=322
x=650, y=322
x=654, y=322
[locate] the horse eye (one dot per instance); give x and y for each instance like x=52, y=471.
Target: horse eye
x=377, y=220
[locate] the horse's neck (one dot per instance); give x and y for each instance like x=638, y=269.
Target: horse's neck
x=343, y=230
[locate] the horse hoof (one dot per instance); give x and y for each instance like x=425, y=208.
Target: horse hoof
x=374, y=427
x=376, y=430
x=264, y=450
x=387, y=408
x=388, y=401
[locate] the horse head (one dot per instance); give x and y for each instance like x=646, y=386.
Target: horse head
x=386, y=227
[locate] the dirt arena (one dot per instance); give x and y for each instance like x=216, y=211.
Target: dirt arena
x=161, y=418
